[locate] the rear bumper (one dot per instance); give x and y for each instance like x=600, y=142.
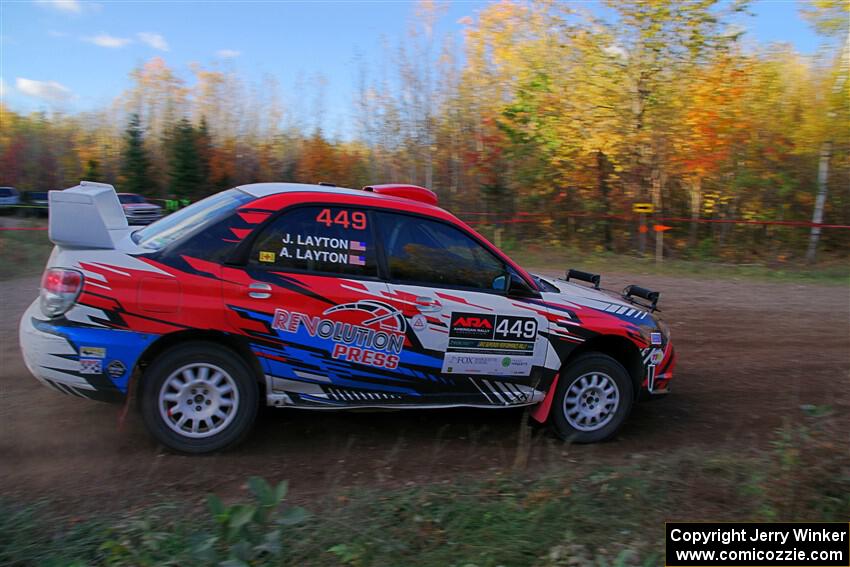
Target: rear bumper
x=88, y=362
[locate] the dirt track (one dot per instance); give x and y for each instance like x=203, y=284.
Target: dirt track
x=750, y=354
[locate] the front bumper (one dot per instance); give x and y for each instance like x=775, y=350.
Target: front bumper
x=88, y=362
x=658, y=373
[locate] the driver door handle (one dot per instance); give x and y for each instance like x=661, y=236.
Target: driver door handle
x=427, y=304
x=259, y=290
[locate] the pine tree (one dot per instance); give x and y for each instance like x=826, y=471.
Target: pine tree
x=135, y=163
x=204, y=145
x=184, y=164
x=92, y=170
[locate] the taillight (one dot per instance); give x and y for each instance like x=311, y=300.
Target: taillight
x=60, y=288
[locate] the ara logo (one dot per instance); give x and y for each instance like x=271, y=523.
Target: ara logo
x=473, y=323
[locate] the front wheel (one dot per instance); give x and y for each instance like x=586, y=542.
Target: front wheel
x=199, y=398
x=593, y=398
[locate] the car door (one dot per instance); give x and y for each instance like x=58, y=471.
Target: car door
x=487, y=347
x=311, y=303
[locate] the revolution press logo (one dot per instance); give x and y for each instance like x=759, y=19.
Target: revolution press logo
x=365, y=331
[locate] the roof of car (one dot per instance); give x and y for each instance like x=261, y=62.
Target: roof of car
x=260, y=190
x=266, y=189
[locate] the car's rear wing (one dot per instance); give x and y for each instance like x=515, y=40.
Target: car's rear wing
x=88, y=215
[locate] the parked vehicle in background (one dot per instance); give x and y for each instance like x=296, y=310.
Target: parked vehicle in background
x=35, y=203
x=138, y=210
x=9, y=198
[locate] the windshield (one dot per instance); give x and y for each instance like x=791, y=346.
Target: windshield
x=177, y=225
x=126, y=198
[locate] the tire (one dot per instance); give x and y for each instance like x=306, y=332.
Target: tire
x=593, y=398
x=198, y=398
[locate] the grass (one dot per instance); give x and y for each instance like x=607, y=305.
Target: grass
x=576, y=515
x=23, y=253
x=538, y=257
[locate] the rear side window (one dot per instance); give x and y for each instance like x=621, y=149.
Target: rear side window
x=6, y=192
x=324, y=240
x=196, y=216
x=426, y=252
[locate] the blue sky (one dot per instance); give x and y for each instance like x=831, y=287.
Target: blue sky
x=73, y=55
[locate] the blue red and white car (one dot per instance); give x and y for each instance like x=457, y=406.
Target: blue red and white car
x=325, y=298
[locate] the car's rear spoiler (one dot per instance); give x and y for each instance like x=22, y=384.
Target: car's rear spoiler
x=88, y=215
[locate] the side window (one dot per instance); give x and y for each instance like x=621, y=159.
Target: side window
x=432, y=253
x=332, y=240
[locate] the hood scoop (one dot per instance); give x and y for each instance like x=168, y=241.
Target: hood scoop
x=595, y=279
x=632, y=291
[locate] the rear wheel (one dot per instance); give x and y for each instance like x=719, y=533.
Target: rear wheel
x=199, y=398
x=593, y=399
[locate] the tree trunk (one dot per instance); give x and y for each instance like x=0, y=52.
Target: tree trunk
x=695, y=189
x=602, y=166
x=817, y=217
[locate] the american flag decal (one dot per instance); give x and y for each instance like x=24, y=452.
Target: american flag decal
x=357, y=260
x=357, y=246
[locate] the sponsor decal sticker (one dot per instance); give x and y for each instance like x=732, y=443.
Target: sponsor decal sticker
x=267, y=257
x=487, y=364
x=116, y=369
x=655, y=338
x=366, y=331
x=327, y=249
x=419, y=322
x=471, y=325
x=92, y=352
x=494, y=334
x=656, y=357
x=91, y=366
x=506, y=347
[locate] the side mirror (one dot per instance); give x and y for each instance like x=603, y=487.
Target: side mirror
x=518, y=287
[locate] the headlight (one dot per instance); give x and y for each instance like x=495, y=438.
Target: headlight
x=665, y=328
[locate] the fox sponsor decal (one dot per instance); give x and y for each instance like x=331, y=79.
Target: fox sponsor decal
x=487, y=364
x=366, y=332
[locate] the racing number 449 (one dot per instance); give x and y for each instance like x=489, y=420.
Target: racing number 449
x=316, y=297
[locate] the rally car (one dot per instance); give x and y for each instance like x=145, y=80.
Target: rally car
x=325, y=298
